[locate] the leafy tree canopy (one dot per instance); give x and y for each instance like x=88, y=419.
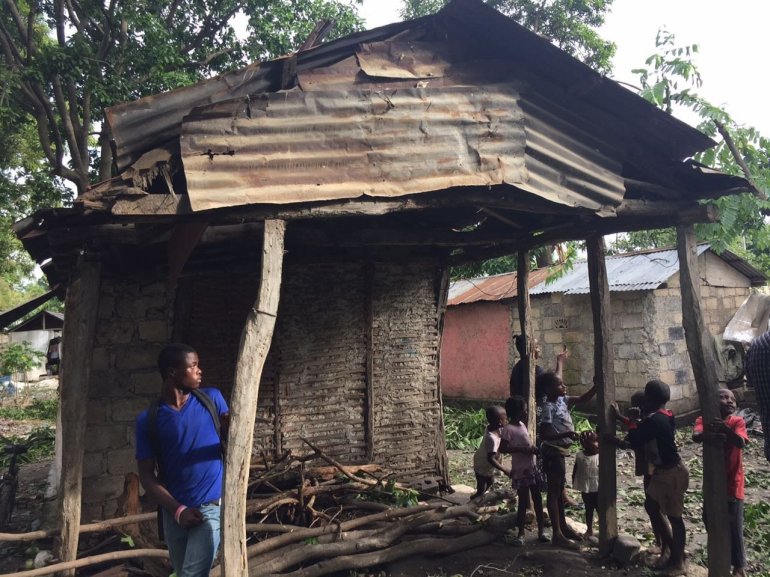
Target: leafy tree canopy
x=571, y=25
x=64, y=62
x=670, y=80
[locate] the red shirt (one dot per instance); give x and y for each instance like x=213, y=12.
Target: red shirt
x=733, y=455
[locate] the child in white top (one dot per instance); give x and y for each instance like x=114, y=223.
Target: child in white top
x=585, y=476
x=486, y=460
x=525, y=477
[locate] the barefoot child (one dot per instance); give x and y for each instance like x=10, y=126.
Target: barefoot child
x=730, y=430
x=670, y=478
x=557, y=433
x=524, y=476
x=644, y=463
x=485, y=461
x=585, y=476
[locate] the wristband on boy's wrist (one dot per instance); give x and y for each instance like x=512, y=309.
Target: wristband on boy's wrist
x=178, y=513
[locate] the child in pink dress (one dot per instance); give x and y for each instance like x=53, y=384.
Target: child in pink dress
x=524, y=475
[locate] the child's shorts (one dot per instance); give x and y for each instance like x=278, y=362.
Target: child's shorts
x=667, y=487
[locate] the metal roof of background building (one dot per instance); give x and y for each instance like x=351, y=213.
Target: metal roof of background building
x=639, y=271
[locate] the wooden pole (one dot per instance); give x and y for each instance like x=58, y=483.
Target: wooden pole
x=80, y=305
x=256, y=338
x=369, y=371
x=701, y=350
x=604, y=378
x=525, y=321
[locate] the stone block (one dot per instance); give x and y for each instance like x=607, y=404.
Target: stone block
x=93, y=465
x=93, y=512
x=126, y=410
x=107, y=437
x=621, y=366
x=114, y=332
x=156, y=288
x=666, y=349
x=625, y=549
x=682, y=377
x=106, y=307
x=618, y=337
x=631, y=321
x=553, y=337
x=100, y=359
x=133, y=307
x=675, y=333
x=677, y=392
x=136, y=358
x=145, y=383
x=629, y=352
x=97, y=412
x=121, y=461
x=100, y=489
x=153, y=331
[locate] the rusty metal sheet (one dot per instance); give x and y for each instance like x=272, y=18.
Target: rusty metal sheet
x=298, y=146
x=416, y=60
x=492, y=288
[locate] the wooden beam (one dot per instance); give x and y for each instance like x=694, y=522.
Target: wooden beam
x=701, y=350
x=604, y=379
x=80, y=305
x=525, y=322
x=255, y=343
x=442, y=291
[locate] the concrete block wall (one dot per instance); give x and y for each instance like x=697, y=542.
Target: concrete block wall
x=133, y=324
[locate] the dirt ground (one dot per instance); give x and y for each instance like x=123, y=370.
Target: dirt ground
x=499, y=559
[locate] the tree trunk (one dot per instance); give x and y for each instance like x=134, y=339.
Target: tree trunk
x=255, y=343
x=604, y=378
x=80, y=305
x=700, y=348
x=528, y=359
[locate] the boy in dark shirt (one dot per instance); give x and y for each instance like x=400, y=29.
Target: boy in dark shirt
x=731, y=431
x=670, y=478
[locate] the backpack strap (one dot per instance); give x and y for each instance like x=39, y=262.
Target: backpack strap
x=208, y=402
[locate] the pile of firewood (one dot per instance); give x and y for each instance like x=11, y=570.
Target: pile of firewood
x=307, y=521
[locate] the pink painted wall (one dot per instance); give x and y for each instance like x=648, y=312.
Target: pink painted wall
x=475, y=351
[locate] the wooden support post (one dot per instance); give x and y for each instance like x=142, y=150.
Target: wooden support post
x=604, y=378
x=256, y=338
x=525, y=320
x=701, y=350
x=80, y=305
x=442, y=291
x=369, y=374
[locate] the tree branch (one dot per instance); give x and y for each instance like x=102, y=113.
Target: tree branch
x=738, y=158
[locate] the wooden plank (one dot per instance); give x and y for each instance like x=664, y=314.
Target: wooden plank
x=604, y=378
x=525, y=322
x=81, y=305
x=702, y=358
x=255, y=343
x=369, y=372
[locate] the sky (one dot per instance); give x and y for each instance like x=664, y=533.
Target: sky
x=731, y=58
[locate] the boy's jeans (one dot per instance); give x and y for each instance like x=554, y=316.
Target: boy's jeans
x=192, y=551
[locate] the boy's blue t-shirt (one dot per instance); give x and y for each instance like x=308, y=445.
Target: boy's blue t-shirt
x=191, y=457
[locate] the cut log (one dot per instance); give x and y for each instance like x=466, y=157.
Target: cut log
x=702, y=359
x=81, y=305
x=88, y=561
x=255, y=343
x=604, y=378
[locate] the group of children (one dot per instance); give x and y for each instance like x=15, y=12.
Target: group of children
x=651, y=429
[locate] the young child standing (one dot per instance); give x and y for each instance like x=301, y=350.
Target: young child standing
x=557, y=433
x=585, y=476
x=524, y=475
x=485, y=461
x=670, y=478
x=731, y=430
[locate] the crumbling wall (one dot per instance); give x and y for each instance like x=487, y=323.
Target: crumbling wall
x=133, y=324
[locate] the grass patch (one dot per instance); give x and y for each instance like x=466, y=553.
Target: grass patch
x=37, y=410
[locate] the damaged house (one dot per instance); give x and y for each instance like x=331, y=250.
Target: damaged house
x=386, y=156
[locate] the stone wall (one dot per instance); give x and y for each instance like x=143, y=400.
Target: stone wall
x=133, y=324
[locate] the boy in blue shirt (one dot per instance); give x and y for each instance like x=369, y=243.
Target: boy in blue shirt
x=184, y=447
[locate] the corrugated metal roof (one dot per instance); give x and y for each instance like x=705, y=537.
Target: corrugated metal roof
x=633, y=272
x=643, y=270
x=491, y=288
x=295, y=146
